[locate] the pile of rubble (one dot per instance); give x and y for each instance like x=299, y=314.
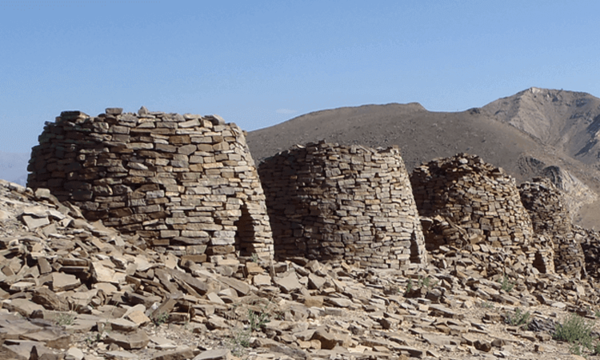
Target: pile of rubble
x=477, y=196
x=551, y=220
x=473, y=205
x=71, y=289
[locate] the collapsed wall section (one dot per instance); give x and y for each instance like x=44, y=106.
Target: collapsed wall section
x=473, y=204
x=351, y=203
x=184, y=183
x=590, y=243
x=551, y=219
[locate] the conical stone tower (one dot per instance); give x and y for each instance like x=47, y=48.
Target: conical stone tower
x=184, y=183
x=343, y=203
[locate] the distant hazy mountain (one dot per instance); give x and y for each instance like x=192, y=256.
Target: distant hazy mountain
x=535, y=132
x=568, y=121
x=13, y=167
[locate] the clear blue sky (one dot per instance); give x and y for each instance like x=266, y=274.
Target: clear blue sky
x=259, y=63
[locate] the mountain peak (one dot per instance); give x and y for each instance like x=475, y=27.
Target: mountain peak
x=534, y=90
x=546, y=114
x=550, y=93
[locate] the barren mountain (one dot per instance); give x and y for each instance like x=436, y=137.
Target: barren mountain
x=569, y=121
x=536, y=132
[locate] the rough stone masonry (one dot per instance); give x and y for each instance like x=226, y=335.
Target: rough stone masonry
x=551, y=219
x=184, y=183
x=481, y=208
x=334, y=202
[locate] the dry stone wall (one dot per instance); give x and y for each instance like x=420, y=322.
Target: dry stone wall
x=351, y=203
x=551, y=219
x=185, y=183
x=470, y=203
x=590, y=244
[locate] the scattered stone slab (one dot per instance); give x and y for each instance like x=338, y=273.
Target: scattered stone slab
x=63, y=282
x=128, y=341
x=288, y=283
x=218, y=354
x=179, y=354
x=22, y=306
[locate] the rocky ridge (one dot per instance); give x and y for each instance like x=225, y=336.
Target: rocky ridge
x=72, y=289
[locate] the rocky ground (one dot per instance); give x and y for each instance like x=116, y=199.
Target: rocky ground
x=76, y=290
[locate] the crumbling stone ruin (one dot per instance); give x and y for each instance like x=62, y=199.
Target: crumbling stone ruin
x=551, y=220
x=186, y=184
x=335, y=202
x=74, y=289
x=574, y=192
x=590, y=244
x=470, y=203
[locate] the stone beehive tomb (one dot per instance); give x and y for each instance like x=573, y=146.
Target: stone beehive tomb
x=478, y=204
x=551, y=219
x=352, y=203
x=184, y=183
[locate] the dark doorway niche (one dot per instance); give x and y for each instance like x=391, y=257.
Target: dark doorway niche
x=415, y=256
x=244, y=235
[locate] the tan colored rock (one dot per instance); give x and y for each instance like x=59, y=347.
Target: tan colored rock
x=22, y=306
x=241, y=287
x=122, y=325
x=178, y=354
x=219, y=354
x=164, y=309
x=64, y=282
x=327, y=340
x=52, y=338
x=261, y=280
x=138, y=317
x=34, y=222
x=445, y=312
x=216, y=322
x=49, y=300
x=128, y=341
x=288, y=283
x=74, y=353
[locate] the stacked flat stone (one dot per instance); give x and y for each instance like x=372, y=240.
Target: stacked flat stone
x=550, y=217
x=343, y=203
x=590, y=244
x=184, y=183
x=481, y=206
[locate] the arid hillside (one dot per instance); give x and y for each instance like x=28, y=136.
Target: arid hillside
x=537, y=132
x=569, y=121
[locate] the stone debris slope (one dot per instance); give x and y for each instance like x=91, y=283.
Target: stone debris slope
x=73, y=289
